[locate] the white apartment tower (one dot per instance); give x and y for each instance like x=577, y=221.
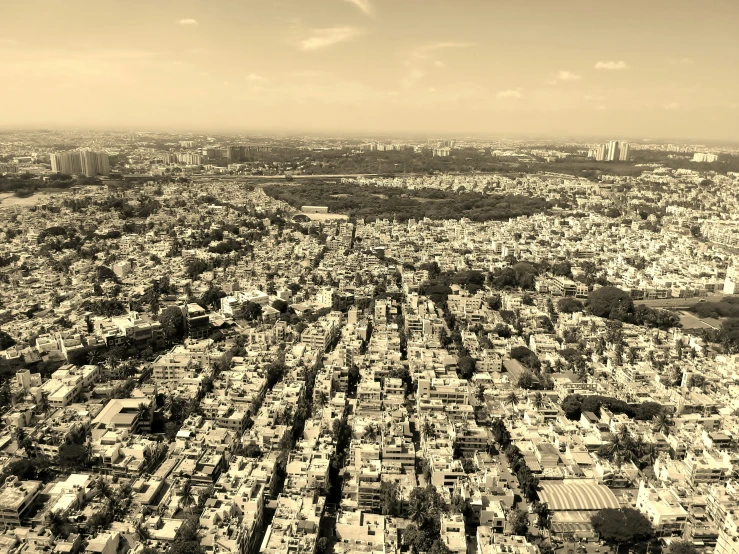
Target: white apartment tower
x=85, y=162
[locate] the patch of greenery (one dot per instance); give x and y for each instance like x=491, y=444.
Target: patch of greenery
x=374, y=202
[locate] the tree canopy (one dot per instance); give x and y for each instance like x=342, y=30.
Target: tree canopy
x=622, y=525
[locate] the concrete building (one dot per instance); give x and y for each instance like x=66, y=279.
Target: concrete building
x=16, y=499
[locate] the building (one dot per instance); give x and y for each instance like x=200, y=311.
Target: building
x=131, y=414
x=94, y=163
x=663, y=509
x=85, y=162
x=66, y=162
x=16, y=499
x=314, y=209
x=198, y=322
x=705, y=157
x=727, y=544
x=612, y=151
x=573, y=502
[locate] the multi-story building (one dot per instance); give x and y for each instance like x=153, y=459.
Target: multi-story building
x=85, y=162
x=16, y=499
x=66, y=162
x=94, y=163
x=198, y=322
x=611, y=151
x=663, y=509
x=705, y=157
x=708, y=467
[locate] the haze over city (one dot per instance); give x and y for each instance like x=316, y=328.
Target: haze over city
x=653, y=69
x=369, y=277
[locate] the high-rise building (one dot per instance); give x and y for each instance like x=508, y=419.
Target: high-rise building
x=85, y=162
x=66, y=162
x=601, y=153
x=94, y=163
x=625, y=152
x=611, y=151
x=705, y=157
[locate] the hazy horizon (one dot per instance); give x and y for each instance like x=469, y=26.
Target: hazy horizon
x=658, y=70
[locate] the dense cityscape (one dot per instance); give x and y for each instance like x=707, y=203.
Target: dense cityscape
x=264, y=345
x=369, y=277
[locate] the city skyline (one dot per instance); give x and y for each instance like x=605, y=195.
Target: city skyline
x=372, y=66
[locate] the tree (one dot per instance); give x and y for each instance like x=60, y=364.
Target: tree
x=173, y=323
x=187, y=497
x=427, y=429
x=252, y=451
x=466, y=367
x=682, y=547
x=322, y=545
x=538, y=400
x=58, y=524
x=526, y=380
x=618, y=448
x=390, y=502
x=568, y=305
x=480, y=393
x=468, y=465
x=526, y=357
x=439, y=547
x=280, y=305
x=622, y=526
x=563, y=269
x=662, y=423
x=544, y=515
x=142, y=410
x=170, y=430
x=512, y=399
x=6, y=341
x=212, y=297
x=73, y=456
x=252, y=311
x=611, y=302
x=518, y=521
x=102, y=488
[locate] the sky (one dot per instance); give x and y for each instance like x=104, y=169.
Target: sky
x=648, y=68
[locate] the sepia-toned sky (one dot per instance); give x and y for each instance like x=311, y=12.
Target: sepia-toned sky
x=632, y=68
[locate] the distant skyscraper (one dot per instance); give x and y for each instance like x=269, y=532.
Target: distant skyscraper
x=611, y=151
x=625, y=152
x=601, y=154
x=705, y=157
x=86, y=162
x=66, y=162
x=94, y=163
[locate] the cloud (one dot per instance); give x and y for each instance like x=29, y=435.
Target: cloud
x=364, y=6
x=562, y=75
x=254, y=78
x=420, y=60
x=671, y=106
x=512, y=93
x=567, y=76
x=611, y=65
x=682, y=61
x=188, y=21
x=593, y=98
x=323, y=38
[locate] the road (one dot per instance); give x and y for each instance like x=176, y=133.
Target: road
x=677, y=303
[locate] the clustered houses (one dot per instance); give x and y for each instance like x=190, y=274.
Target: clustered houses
x=213, y=371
